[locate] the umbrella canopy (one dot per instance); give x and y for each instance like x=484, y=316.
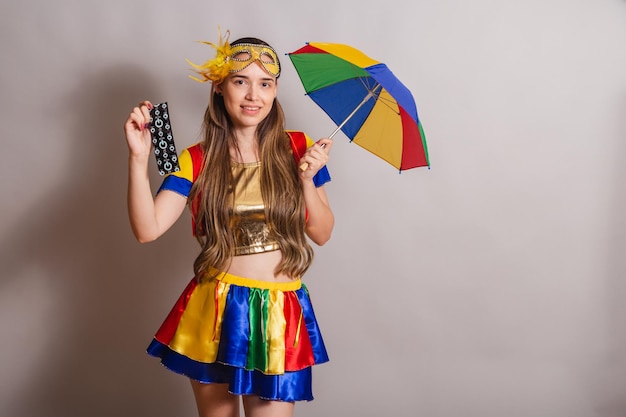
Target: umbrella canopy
x=361, y=95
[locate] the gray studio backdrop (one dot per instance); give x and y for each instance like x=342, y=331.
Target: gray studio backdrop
x=491, y=285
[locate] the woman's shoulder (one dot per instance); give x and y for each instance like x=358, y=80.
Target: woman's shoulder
x=298, y=133
x=191, y=160
x=300, y=141
x=195, y=149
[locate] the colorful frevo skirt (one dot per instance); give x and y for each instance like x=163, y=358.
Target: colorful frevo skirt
x=259, y=337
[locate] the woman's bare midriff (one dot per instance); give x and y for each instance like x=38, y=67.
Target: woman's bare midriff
x=259, y=266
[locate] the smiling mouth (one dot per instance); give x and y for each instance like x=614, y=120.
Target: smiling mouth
x=251, y=108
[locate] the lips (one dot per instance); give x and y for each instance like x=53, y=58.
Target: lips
x=250, y=111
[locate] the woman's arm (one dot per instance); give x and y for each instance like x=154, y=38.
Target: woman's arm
x=321, y=220
x=149, y=217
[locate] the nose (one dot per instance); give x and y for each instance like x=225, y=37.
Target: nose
x=252, y=92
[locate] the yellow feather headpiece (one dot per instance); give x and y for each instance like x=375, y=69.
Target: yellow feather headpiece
x=233, y=59
x=218, y=68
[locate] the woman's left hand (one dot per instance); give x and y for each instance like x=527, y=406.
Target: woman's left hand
x=315, y=158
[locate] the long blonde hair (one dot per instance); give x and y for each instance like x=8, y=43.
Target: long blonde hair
x=280, y=188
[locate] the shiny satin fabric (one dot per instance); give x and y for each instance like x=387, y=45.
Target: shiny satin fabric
x=290, y=386
x=259, y=329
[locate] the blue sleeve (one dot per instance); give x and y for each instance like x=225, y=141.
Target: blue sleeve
x=179, y=185
x=322, y=177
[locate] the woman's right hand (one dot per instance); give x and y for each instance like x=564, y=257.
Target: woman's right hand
x=137, y=130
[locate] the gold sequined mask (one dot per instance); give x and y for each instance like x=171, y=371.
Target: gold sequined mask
x=242, y=55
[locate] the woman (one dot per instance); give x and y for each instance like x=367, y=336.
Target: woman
x=244, y=326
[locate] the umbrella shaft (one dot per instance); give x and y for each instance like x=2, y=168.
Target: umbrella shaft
x=369, y=95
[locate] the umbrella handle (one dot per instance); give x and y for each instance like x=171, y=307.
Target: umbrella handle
x=305, y=165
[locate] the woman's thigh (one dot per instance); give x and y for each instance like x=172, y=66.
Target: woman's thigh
x=256, y=407
x=214, y=400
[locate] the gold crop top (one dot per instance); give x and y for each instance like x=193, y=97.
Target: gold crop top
x=248, y=223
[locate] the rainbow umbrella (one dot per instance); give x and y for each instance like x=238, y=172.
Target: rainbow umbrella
x=367, y=102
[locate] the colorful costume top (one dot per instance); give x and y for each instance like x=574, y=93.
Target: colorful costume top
x=252, y=233
x=248, y=222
